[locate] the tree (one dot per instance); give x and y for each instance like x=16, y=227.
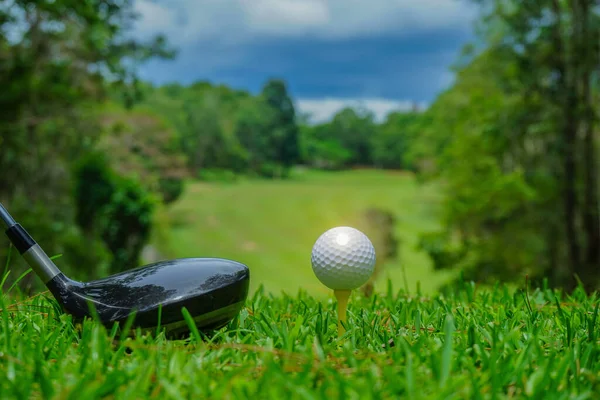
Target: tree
x=63, y=58
x=355, y=129
x=506, y=138
x=143, y=146
x=253, y=129
x=393, y=139
x=322, y=151
x=283, y=129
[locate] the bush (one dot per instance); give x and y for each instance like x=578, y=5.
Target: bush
x=217, y=175
x=439, y=248
x=170, y=189
x=86, y=257
x=94, y=186
x=53, y=226
x=269, y=170
x=126, y=223
x=116, y=209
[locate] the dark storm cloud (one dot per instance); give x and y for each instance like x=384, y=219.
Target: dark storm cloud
x=411, y=67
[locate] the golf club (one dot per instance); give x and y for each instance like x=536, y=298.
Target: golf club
x=213, y=290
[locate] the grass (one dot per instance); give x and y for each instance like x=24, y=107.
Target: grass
x=272, y=225
x=472, y=343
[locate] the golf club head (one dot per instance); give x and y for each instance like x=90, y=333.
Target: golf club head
x=213, y=290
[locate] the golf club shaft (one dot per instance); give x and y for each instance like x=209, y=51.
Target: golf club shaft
x=6, y=217
x=35, y=256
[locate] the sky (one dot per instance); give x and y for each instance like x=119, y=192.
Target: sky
x=381, y=54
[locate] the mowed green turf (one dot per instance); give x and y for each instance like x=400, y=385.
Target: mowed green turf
x=469, y=344
x=272, y=225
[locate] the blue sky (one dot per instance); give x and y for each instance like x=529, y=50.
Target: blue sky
x=383, y=54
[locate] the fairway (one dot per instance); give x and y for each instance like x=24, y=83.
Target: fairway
x=272, y=225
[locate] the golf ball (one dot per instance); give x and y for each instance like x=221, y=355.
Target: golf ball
x=343, y=258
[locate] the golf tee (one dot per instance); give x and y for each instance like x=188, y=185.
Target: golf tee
x=342, y=297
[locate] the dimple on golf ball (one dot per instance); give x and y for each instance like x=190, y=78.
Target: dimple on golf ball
x=343, y=258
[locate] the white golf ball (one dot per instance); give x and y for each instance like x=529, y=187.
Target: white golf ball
x=343, y=258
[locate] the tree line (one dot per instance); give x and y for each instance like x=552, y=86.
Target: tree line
x=224, y=131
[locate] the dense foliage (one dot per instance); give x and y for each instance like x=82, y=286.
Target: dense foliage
x=263, y=135
x=60, y=61
x=515, y=142
x=114, y=208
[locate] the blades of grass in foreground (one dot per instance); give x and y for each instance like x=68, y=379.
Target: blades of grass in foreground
x=447, y=350
x=6, y=271
x=483, y=344
x=16, y=282
x=191, y=325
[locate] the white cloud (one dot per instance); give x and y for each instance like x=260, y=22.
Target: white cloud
x=287, y=17
x=359, y=17
x=322, y=110
x=190, y=21
x=154, y=18
x=234, y=21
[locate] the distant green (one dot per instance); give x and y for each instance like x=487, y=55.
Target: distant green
x=272, y=225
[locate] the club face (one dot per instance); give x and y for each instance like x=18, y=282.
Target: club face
x=213, y=290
